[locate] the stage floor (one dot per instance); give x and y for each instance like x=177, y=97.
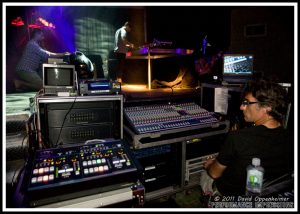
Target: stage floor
x=140, y=93
x=18, y=109
x=19, y=104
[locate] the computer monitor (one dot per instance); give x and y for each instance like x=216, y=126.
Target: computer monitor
x=58, y=78
x=237, y=68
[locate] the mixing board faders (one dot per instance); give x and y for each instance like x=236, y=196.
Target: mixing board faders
x=154, y=118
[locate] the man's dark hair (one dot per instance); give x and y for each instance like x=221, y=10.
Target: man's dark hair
x=35, y=32
x=269, y=93
x=127, y=24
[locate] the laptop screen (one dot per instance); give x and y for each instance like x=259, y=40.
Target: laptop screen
x=237, y=68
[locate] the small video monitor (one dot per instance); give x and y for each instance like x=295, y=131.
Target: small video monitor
x=58, y=78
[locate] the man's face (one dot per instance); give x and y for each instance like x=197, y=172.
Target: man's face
x=40, y=36
x=127, y=28
x=252, y=112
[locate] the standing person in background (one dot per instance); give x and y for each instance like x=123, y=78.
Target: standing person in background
x=122, y=45
x=33, y=57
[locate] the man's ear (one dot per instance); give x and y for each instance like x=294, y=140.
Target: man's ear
x=267, y=109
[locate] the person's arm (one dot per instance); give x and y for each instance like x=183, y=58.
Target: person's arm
x=226, y=155
x=125, y=41
x=214, y=168
x=45, y=53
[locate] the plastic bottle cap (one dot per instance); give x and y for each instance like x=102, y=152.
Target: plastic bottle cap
x=255, y=161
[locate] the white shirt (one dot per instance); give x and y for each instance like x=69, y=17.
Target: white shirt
x=120, y=36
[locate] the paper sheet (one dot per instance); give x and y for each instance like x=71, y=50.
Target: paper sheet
x=221, y=100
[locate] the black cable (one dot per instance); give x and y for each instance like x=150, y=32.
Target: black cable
x=171, y=93
x=12, y=180
x=56, y=144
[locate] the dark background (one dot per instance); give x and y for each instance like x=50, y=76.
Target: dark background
x=265, y=31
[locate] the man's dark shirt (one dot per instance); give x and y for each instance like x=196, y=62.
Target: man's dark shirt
x=274, y=147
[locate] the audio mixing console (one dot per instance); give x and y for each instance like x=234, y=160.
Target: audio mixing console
x=155, y=118
x=78, y=168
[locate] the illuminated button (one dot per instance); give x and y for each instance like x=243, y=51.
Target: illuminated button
x=69, y=170
x=105, y=168
x=51, y=168
x=33, y=180
x=128, y=163
x=86, y=171
x=84, y=163
x=89, y=163
x=119, y=165
x=61, y=171
x=45, y=178
x=77, y=172
x=41, y=170
x=116, y=161
x=122, y=160
x=101, y=169
x=96, y=169
x=103, y=160
x=35, y=171
x=46, y=169
x=51, y=177
x=98, y=161
x=94, y=162
x=40, y=179
x=91, y=170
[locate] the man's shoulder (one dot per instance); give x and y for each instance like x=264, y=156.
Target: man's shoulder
x=121, y=29
x=244, y=133
x=255, y=131
x=32, y=44
x=245, y=130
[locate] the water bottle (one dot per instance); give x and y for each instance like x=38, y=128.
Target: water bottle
x=255, y=174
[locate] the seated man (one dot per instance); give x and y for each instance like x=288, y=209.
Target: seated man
x=265, y=106
x=33, y=57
